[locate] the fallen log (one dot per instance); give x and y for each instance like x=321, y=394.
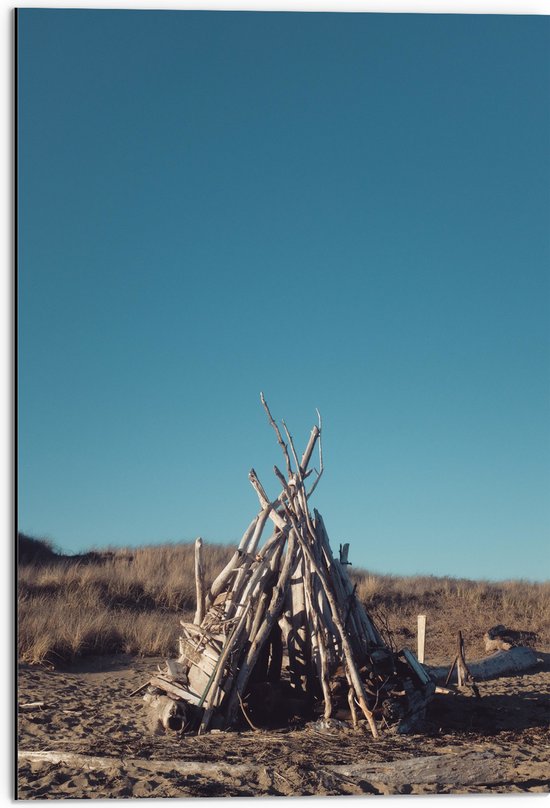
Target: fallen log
x=93, y=763
x=464, y=769
x=502, y=663
x=452, y=769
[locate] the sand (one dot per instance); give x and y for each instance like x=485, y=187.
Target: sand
x=497, y=744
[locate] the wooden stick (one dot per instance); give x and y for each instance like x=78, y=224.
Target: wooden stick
x=259, y=592
x=255, y=538
x=321, y=467
x=271, y=616
x=260, y=490
x=263, y=603
x=340, y=585
x=286, y=487
x=353, y=711
x=248, y=721
x=327, y=628
x=277, y=519
x=357, y=684
x=297, y=639
x=353, y=673
x=421, y=637
x=293, y=450
x=451, y=669
x=463, y=672
x=175, y=690
x=245, y=574
x=277, y=432
x=248, y=533
x=363, y=619
x=348, y=654
x=318, y=643
x=199, y=583
x=275, y=537
x=261, y=569
x=138, y=689
x=213, y=684
x=229, y=569
x=460, y=672
x=235, y=641
x=239, y=582
x=198, y=631
x=298, y=496
x=315, y=433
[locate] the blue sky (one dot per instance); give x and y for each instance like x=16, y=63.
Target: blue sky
x=346, y=211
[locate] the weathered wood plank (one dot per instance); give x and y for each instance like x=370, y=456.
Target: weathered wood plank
x=175, y=689
x=421, y=637
x=200, y=586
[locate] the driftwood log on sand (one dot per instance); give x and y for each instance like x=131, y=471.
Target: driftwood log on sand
x=287, y=595
x=446, y=769
x=465, y=769
x=502, y=663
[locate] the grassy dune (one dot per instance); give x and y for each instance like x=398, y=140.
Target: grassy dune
x=452, y=605
x=131, y=600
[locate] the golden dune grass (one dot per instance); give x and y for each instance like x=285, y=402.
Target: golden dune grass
x=131, y=601
x=452, y=605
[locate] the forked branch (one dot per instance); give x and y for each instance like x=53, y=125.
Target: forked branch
x=282, y=444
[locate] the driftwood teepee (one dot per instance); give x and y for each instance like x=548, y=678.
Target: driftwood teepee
x=286, y=600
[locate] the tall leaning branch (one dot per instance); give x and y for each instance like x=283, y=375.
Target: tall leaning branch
x=282, y=444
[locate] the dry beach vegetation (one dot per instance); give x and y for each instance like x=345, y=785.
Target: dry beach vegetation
x=131, y=600
x=92, y=628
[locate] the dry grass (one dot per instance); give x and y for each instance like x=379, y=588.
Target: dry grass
x=128, y=600
x=452, y=605
x=131, y=600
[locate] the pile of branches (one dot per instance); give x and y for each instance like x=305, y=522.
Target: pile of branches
x=281, y=630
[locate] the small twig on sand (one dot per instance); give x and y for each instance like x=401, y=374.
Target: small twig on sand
x=256, y=729
x=282, y=777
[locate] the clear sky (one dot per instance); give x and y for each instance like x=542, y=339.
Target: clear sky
x=346, y=211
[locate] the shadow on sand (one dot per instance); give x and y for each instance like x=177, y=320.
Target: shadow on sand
x=515, y=705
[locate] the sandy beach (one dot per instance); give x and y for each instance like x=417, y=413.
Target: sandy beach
x=497, y=744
